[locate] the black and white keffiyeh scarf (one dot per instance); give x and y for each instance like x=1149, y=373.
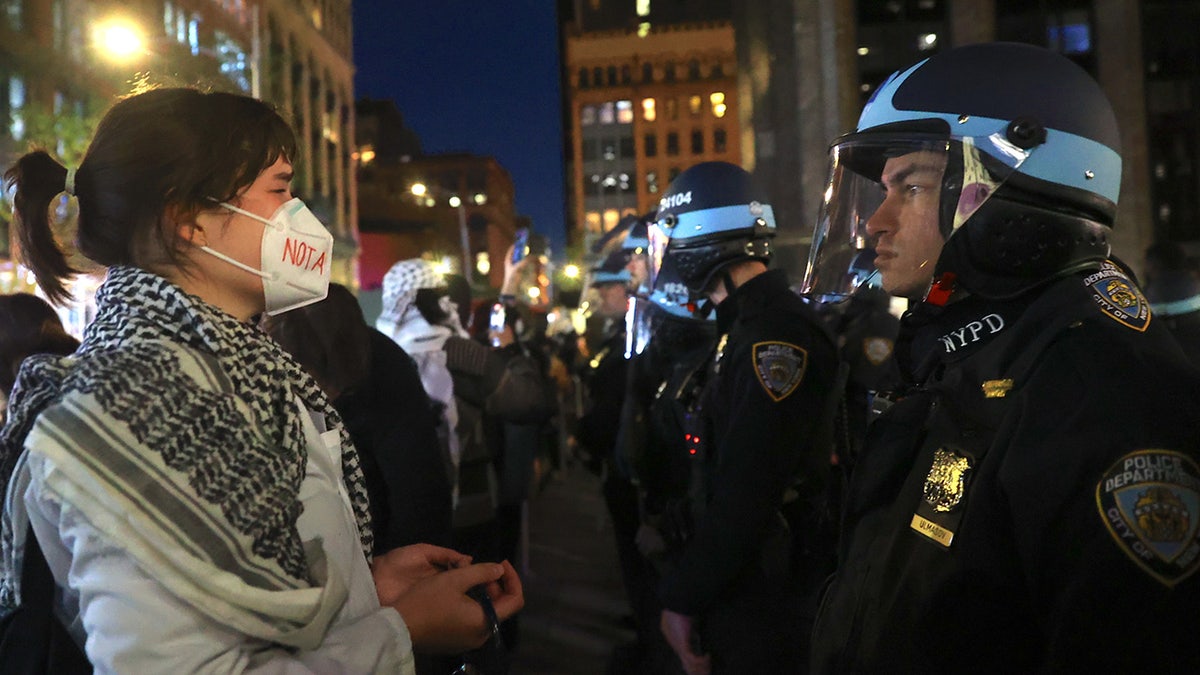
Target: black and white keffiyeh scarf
x=169, y=392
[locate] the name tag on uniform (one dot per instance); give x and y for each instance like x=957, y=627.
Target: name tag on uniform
x=940, y=510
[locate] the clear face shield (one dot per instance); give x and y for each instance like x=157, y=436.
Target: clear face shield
x=890, y=204
x=664, y=295
x=657, y=238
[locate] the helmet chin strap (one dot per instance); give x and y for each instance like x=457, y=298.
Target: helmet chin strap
x=727, y=280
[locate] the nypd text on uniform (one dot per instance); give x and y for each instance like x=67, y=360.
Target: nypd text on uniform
x=972, y=332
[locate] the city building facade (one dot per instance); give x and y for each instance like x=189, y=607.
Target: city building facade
x=645, y=98
x=429, y=207
x=63, y=62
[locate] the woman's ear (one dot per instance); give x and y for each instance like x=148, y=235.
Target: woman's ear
x=192, y=233
x=186, y=225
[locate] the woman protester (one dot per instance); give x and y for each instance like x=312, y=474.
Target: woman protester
x=197, y=498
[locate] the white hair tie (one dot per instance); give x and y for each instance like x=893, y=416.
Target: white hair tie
x=69, y=183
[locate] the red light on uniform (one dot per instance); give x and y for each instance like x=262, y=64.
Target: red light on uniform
x=691, y=451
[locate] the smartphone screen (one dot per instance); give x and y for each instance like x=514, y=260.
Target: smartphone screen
x=520, y=245
x=496, y=322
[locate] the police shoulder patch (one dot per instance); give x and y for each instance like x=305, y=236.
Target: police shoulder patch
x=1118, y=298
x=780, y=367
x=877, y=349
x=1150, y=502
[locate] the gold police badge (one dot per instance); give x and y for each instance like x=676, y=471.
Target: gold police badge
x=946, y=482
x=938, y=516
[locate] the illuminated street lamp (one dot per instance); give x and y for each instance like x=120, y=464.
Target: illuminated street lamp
x=571, y=271
x=120, y=39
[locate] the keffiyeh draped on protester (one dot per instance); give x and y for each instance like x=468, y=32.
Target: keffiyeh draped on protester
x=177, y=429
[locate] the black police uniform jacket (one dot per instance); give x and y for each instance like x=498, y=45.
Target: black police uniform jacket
x=770, y=377
x=1034, y=505
x=604, y=378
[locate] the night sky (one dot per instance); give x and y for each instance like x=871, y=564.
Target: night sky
x=475, y=76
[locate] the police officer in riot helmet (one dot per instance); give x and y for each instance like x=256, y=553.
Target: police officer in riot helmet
x=651, y=447
x=737, y=599
x=1030, y=502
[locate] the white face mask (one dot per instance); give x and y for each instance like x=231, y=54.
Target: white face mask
x=297, y=257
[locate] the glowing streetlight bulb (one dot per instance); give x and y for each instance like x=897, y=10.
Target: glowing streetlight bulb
x=455, y=202
x=535, y=292
x=120, y=39
x=571, y=271
x=419, y=189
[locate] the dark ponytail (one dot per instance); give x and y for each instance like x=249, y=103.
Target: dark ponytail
x=38, y=179
x=157, y=158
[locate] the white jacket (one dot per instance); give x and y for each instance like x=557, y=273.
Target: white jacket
x=134, y=625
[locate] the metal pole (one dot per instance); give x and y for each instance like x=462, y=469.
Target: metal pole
x=466, y=242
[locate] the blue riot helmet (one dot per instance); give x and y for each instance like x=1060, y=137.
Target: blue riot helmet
x=1007, y=155
x=611, y=269
x=712, y=215
x=605, y=298
x=635, y=240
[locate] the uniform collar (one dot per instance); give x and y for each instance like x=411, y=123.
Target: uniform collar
x=751, y=298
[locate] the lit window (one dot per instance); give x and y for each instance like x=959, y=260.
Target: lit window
x=1071, y=38
x=316, y=17
x=643, y=29
x=694, y=104
x=652, y=182
x=717, y=99
x=649, y=112
x=15, y=13
x=587, y=115
x=16, y=104
x=643, y=7
x=607, y=113
x=927, y=41
x=863, y=51
x=193, y=35
x=611, y=218
x=591, y=221
x=624, y=112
